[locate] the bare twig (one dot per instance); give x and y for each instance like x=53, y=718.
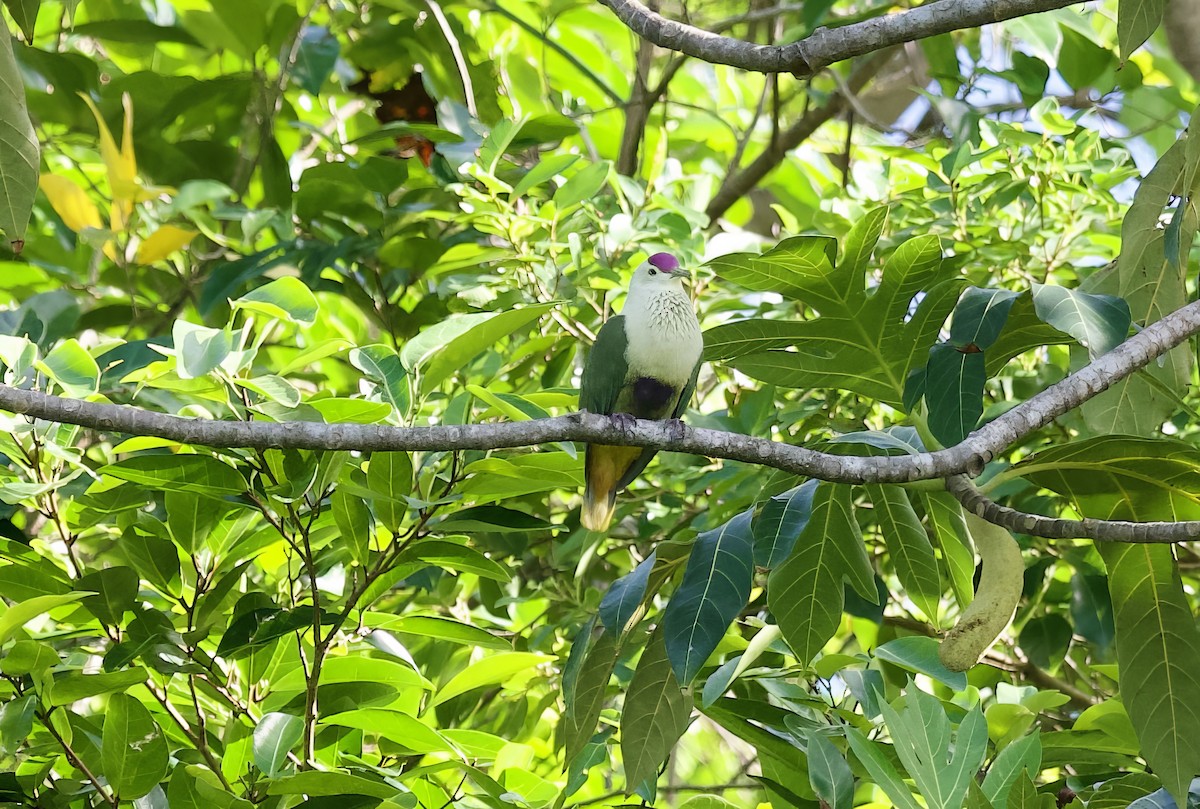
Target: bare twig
x=825, y=45
x=736, y=185
x=460, y=61
x=637, y=111
x=1036, y=525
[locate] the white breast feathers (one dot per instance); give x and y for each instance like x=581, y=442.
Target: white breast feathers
x=663, y=335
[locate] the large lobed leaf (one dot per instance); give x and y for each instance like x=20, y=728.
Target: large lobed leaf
x=864, y=343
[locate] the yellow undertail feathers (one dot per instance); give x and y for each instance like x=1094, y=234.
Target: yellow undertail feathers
x=605, y=466
x=1000, y=584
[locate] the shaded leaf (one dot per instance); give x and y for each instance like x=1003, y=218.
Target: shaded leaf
x=714, y=588
x=1098, y=322
x=655, y=714
x=18, y=142
x=805, y=592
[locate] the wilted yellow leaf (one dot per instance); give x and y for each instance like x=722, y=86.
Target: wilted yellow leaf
x=162, y=243
x=121, y=163
x=70, y=202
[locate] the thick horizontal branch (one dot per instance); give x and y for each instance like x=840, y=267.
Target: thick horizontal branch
x=967, y=457
x=825, y=45
x=1037, y=525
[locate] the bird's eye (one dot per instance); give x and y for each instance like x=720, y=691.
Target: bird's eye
x=654, y=272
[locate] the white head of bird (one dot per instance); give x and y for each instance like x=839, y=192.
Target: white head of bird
x=660, y=322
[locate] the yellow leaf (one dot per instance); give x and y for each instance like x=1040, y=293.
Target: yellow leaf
x=70, y=202
x=162, y=243
x=121, y=163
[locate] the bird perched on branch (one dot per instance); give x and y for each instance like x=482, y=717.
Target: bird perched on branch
x=643, y=365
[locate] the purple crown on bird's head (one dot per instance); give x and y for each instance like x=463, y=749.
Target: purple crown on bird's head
x=664, y=261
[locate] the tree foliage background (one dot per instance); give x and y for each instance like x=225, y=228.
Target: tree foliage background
x=412, y=213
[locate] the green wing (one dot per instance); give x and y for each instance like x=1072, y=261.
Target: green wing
x=644, y=459
x=605, y=369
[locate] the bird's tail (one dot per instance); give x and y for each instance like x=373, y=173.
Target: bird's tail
x=598, y=508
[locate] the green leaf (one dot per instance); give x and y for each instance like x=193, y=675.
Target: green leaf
x=920, y=656
x=1098, y=322
x=1122, y=477
x=74, y=686
x=442, y=629
x=954, y=543
x=584, y=184
x=941, y=766
x=395, y=726
x=447, y=347
x=194, y=787
x=1153, y=287
x=1024, y=795
x=18, y=142
x=714, y=589
x=1023, y=755
x=201, y=474
x=22, y=613
x=908, y=547
x=792, y=268
x=455, y=556
x=274, y=736
x=389, y=477
x=1158, y=651
x=829, y=773
x=490, y=519
x=491, y=670
x=24, y=13
x=191, y=518
x=134, y=753
x=382, y=365
x=355, y=668
x=881, y=770
x=861, y=240
x=115, y=590
x=315, y=58
x=29, y=656
x=199, y=350
x=954, y=392
x=549, y=166
x=155, y=559
x=353, y=520
x=585, y=699
x=72, y=367
x=317, y=783
x=621, y=606
x=16, y=723
x=864, y=344
x=980, y=316
x=284, y=298
x=780, y=523
x=1045, y=640
x=805, y=592
x=1136, y=21
x=655, y=714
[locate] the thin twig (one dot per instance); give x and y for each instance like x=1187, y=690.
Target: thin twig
x=1022, y=522
x=969, y=456
x=824, y=46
